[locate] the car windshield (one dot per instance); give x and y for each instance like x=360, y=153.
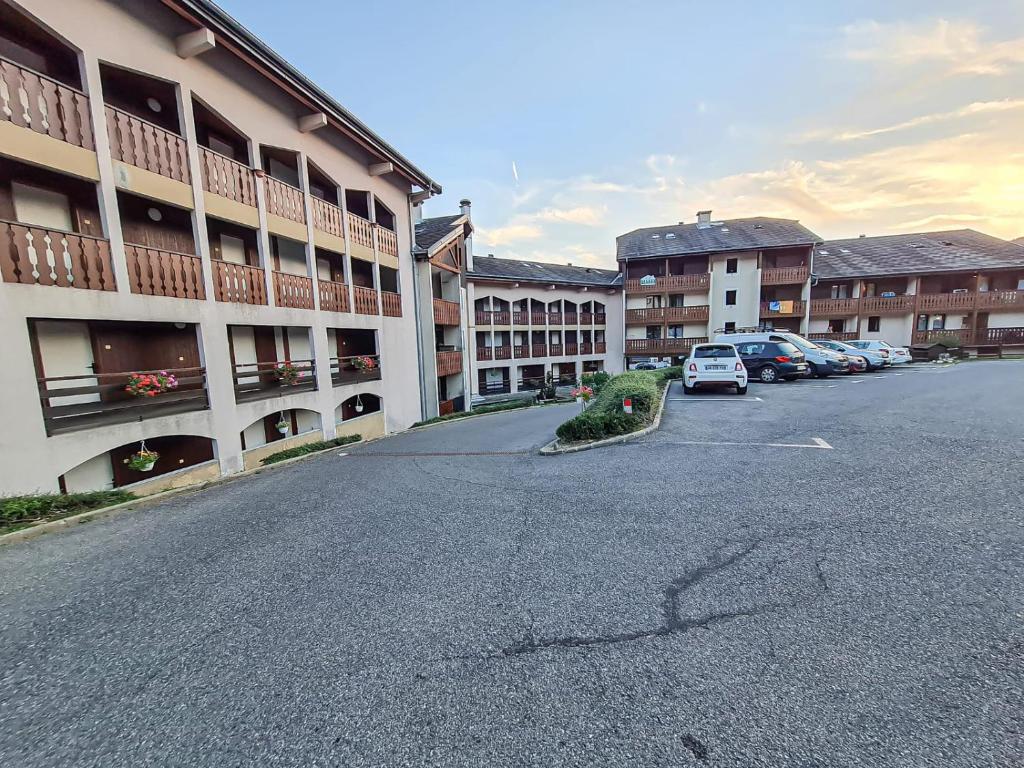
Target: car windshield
x=803, y=343
x=860, y=344
x=885, y=345
x=714, y=350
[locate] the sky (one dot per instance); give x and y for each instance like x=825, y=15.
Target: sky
x=570, y=123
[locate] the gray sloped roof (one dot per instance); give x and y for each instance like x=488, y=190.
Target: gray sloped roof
x=1018, y=240
x=539, y=272
x=731, y=235
x=951, y=251
x=430, y=231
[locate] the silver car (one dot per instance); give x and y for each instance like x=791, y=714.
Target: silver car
x=872, y=357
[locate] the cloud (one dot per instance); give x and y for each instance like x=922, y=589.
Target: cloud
x=582, y=214
x=961, y=45
x=507, y=235
x=527, y=226
x=971, y=110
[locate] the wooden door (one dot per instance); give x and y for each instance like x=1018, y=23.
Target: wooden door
x=266, y=351
x=176, y=452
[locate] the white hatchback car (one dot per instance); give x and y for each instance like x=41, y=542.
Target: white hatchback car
x=894, y=355
x=714, y=365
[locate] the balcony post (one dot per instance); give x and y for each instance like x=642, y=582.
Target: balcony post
x=307, y=207
x=263, y=235
x=376, y=257
x=199, y=231
x=109, y=214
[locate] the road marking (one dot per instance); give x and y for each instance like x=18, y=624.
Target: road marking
x=818, y=386
x=821, y=443
x=699, y=399
x=818, y=444
x=879, y=377
x=343, y=454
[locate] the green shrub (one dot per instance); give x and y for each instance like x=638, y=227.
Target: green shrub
x=604, y=416
x=302, y=450
x=949, y=342
x=15, y=510
x=595, y=380
x=672, y=372
x=509, y=406
x=640, y=386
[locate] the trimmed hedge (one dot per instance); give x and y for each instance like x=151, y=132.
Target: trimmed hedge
x=302, y=450
x=509, y=406
x=604, y=417
x=19, y=511
x=595, y=380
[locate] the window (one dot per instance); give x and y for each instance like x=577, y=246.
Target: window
x=713, y=350
x=654, y=302
x=731, y=265
x=838, y=291
x=730, y=327
x=675, y=332
x=874, y=324
x=922, y=322
x=730, y=298
x=938, y=322
x=653, y=331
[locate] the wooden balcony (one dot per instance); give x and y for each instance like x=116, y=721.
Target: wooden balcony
x=520, y=318
x=672, y=283
x=934, y=302
x=570, y=318
x=41, y=104
x=387, y=241
x=586, y=348
x=968, y=337
x=1001, y=300
x=365, y=300
x=284, y=200
x=106, y=402
x=155, y=272
x=572, y=349
x=391, y=303
x=258, y=381
x=538, y=350
x=238, y=283
x=697, y=313
x=554, y=318
x=586, y=318
x=360, y=230
x=446, y=312
x=521, y=350
x=227, y=178
x=345, y=371
x=785, y=275
x=834, y=335
x=599, y=318
x=834, y=307
x=555, y=350
x=503, y=353
x=600, y=347
x=797, y=309
x=449, y=363
x=495, y=317
x=145, y=145
x=538, y=318
x=502, y=387
x=484, y=353
x=878, y=305
x=37, y=256
x=327, y=217
x=661, y=346
x=293, y=291
x=333, y=296
x=651, y=316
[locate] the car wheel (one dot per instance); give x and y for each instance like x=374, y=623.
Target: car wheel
x=768, y=375
x=687, y=390
x=812, y=369
x=741, y=390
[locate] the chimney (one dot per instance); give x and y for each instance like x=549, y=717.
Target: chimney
x=464, y=206
x=417, y=213
x=703, y=218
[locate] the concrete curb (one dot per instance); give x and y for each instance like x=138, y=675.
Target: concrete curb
x=482, y=415
x=39, y=529
x=553, y=449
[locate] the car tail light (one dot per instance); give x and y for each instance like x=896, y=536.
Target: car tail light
x=739, y=366
x=693, y=367
x=782, y=359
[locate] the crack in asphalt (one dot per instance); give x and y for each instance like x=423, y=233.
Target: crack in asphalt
x=819, y=574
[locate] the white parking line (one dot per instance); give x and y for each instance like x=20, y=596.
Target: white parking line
x=715, y=399
x=817, y=444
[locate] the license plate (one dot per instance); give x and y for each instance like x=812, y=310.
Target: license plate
x=714, y=367
x=801, y=366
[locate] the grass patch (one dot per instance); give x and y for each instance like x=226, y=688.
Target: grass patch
x=22, y=511
x=605, y=418
x=497, y=407
x=302, y=450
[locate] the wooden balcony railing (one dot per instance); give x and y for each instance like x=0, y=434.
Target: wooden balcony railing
x=294, y=291
x=696, y=282
x=652, y=315
x=538, y=350
x=1011, y=335
x=963, y=336
x=446, y=312
x=140, y=143
x=520, y=318
x=256, y=381
x=484, y=353
x=1001, y=300
x=696, y=313
x=155, y=272
x=834, y=335
x=894, y=305
x=38, y=256
x=391, y=303
x=503, y=353
x=333, y=296
x=227, y=178
x=833, y=307
x=968, y=337
x=555, y=350
x=502, y=387
x=449, y=363
x=796, y=309
x=327, y=217
x=72, y=403
x=492, y=317
x=538, y=318
x=238, y=283
x=586, y=318
x=284, y=200
x=785, y=275
x=586, y=348
x=662, y=346
x=600, y=318
x=360, y=230
x=521, y=350
x=345, y=371
x=37, y=102
x=572, y=349
x=570, y=318
x=555, y=318
x=365, y=300
x=941, y=301
x=600, y=347
x=387, y=241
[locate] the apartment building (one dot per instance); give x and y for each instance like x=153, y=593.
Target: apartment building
x=175, y=197
x=915, y=288
x=685, y=282
x=530, y=319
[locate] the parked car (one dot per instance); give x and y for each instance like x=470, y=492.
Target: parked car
x=894, y=355
x=770, y=361
x=652, y=365
x=714, y=365
x=860, y=359
x=820, y=361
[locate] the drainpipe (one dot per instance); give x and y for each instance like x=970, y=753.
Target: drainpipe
x=416, y=303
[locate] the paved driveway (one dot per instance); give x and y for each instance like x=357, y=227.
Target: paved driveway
x=447, y=597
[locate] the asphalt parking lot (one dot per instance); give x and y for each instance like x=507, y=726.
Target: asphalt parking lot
x=820, y=573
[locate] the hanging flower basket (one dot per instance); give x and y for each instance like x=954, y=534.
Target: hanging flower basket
x=150, y=384
x=283, y=427
x=286, y=372
x=142, y=460
x=364, y=363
